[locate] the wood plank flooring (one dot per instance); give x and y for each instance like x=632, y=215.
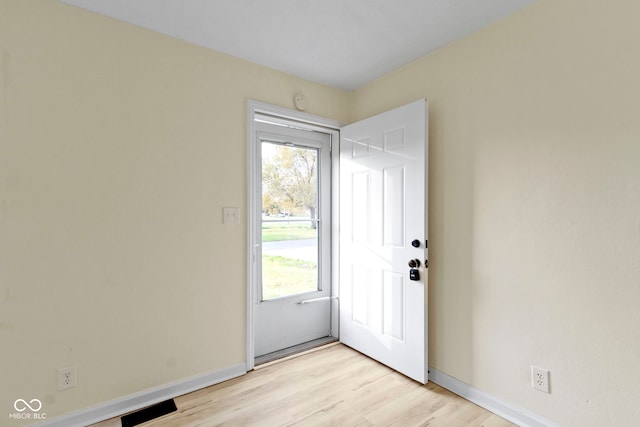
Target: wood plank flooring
x=330, y=386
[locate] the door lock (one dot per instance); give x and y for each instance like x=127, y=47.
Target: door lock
x=414, y=273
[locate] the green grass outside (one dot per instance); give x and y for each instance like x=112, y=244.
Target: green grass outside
x=273, y=232
x=286, y=276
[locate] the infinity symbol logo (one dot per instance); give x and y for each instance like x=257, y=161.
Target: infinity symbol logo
x=24, y=405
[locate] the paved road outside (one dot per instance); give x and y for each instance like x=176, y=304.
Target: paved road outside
x=305, y=250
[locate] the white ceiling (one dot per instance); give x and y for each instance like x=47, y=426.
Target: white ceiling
x=341, y=43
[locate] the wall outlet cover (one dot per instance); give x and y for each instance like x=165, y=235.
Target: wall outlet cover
x=540, y=379
x=67, y=378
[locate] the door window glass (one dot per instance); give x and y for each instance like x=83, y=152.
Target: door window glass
x=290, y=220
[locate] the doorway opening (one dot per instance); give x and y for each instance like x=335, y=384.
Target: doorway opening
x=292, y=302
x=377, y=176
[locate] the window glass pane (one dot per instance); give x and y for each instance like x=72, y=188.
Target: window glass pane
x=289, y=220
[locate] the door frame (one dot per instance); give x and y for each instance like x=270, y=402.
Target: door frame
x=305, y=121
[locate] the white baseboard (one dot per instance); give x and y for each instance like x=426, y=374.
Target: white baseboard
x=133, y=402
x=505, y=410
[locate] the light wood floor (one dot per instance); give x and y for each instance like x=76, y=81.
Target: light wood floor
x=331, y=386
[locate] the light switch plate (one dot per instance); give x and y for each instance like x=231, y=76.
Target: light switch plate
x=230, y=216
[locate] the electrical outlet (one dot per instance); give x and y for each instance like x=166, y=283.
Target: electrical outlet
x=540, y=379
x=67, y=378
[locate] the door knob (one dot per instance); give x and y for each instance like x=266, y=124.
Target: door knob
x=414, y=263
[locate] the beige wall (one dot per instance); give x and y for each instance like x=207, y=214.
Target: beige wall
x=119, y=148
x=535, y=206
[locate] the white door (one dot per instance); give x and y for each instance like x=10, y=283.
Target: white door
x=383, y=226
x=293, y=227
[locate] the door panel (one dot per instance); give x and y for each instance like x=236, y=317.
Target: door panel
x=383, y=209
x=294, y=252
